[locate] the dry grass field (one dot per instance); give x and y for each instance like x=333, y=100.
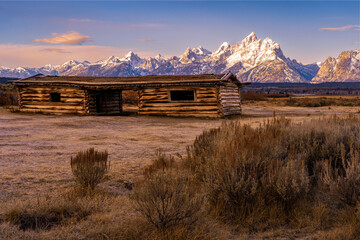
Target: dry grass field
x=35, y=153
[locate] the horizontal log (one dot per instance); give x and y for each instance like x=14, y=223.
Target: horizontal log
x=177, y=89
x=214, y=95
x=35, y=110
x=186, y=108
x=207, y=92
x=174, y=104
x=47, y=95
x=39, y=89
x=37, y=99
x=198, y=114
x=229, y=94
x=224, y=105
x=54, y=107
x=153, y=90
x=150, y=99
x=63, y=100
x=229, y=88
x=202, y=99
x=231, y=100
x=229, y=109
x=44, y=103
x=163, y=94
x=50, y=88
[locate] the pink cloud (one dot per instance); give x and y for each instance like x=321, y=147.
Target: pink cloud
x=343, y=28
x=57, y=50
x=146, y=40
x=70, y=38
x=37, y=56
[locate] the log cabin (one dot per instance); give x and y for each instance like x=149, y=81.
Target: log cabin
x=207, y=95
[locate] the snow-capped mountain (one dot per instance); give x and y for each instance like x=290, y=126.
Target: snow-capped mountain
x=344, y=68
x=252, y=59
x=194, y=55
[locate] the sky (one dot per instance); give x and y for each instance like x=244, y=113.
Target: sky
x=35, y=33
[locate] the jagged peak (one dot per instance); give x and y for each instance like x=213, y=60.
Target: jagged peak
x=223, y=47
x=201, y=50
x=130, y=54
x=251, y=38
x=160, y=57
x=110, y=60
x=71, y=62
x=113, y=59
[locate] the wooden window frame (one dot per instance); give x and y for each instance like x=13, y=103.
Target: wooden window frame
x=174, y=90
x=55, y=96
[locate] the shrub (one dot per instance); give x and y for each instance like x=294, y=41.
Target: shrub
x=45, y=213
x=258, y=177
x=166, y=199
x=89, y=167
x=8, y=96
x=322, y=101
x=161, y=162
x=253, y=96
x=344, y=182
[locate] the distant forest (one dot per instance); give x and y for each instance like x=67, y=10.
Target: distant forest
x=331, y=88
x=5, y=80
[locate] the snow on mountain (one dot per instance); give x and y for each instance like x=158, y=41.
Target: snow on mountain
x=252, y=59
x=194, y=54
x=344, y=68
x=222, y=53
x=133, y=59
x=110, y=61
x=17, y=72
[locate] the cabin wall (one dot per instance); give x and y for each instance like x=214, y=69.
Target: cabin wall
x=38, y=99
x=156, y=101
x=230, y=99
x=103, y=102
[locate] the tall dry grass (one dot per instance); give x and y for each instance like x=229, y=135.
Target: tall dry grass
x=8, y=95
x=90, y=167
x=280, y=175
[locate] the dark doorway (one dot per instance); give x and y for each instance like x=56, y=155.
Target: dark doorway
x=108, y=102
x=99, y=103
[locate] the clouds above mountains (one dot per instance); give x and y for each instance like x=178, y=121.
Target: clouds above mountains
x=343, y=28
x=70, y=38
x=14, y=55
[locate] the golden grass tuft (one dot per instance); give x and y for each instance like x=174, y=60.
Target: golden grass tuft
x=89, y=167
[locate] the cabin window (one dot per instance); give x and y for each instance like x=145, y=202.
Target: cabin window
x=55, y=97
x=182, y=95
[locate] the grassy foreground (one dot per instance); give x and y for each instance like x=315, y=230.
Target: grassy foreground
x=278, y=180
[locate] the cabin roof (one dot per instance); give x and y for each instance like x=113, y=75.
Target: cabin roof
x=123, y=82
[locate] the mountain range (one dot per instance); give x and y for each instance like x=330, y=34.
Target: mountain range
x=252, y=60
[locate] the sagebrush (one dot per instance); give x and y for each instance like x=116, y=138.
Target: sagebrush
x=90, y=167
